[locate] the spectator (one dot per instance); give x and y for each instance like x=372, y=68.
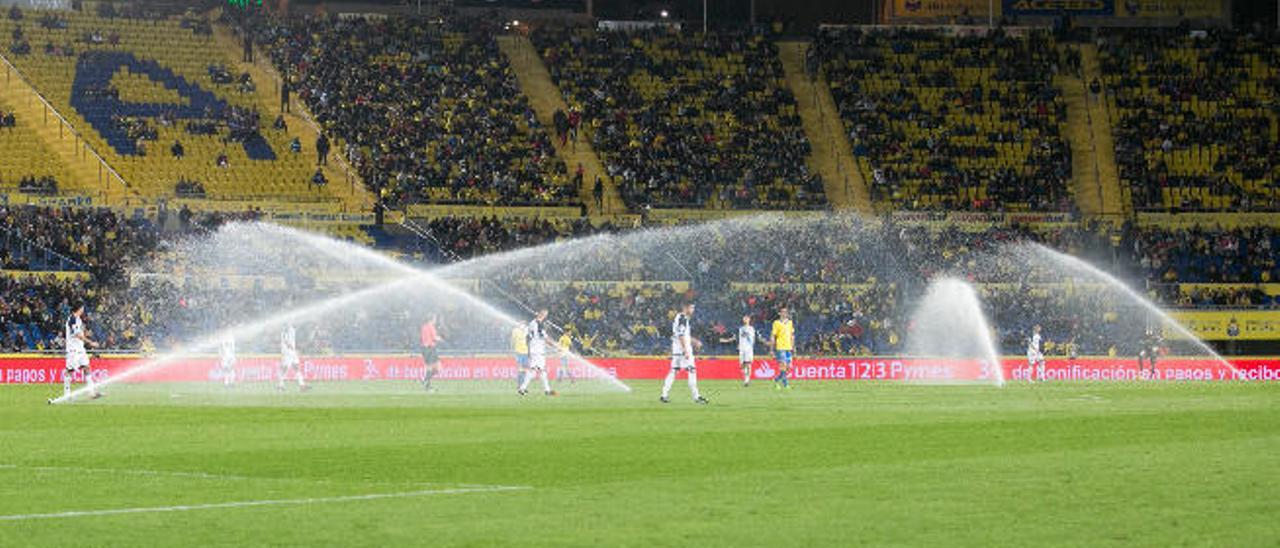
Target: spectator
x=318, y=180
x=322, y=149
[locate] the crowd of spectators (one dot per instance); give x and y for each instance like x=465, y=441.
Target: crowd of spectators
x=430, y=110
x=460, y=238
x=41, y=185
x=1193, y=117
x=1241, y=255
x=686, y=120
x=851, y=284
x=951, y=122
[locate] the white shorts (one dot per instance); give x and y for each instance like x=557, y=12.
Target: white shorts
x=288, y=359
x=76, y=360
x=538, y=362
x=1035, y=358
x=679, y=361
x=228, y=364
x=746, y=357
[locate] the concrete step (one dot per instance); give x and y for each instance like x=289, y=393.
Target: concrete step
x=831, y=155
x=546, y=99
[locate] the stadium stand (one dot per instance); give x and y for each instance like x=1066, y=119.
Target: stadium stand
x=29, y=167
x=142, y=88
x=845, y=310
x=686, y=121
x=951, y=122
x=430, y=111
x=1193, y=118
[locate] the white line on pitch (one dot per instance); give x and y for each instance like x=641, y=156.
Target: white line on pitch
x=130, y=471
x=251, y=503
x=222, y=477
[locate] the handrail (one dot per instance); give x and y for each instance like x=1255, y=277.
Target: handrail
x=50, y=108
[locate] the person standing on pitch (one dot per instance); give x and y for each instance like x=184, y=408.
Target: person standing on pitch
x=289, y=358
x=536, y=340
x=227, y=359
x=1035, y=353
x=430, y=356
x=1149, y=352
x=746, y=348
x=783, y=340
x=520, y=347
x=682, y=347
x=566, y=352
x=77, y=338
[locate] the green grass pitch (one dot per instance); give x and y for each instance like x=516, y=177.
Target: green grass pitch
x=825, y=464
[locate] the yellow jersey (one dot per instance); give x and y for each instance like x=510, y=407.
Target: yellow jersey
x=518, y=342
x=565, y=343
x=784, y=335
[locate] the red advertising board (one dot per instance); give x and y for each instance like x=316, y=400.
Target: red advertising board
x=45, y=369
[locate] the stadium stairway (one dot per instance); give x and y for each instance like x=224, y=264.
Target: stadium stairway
x=344, y=183
x=1084, y=166
x=831, y=155
x=88, y=174
x=1100, y=149
x=545, y=97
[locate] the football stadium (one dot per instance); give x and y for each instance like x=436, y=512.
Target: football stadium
x=639, y=273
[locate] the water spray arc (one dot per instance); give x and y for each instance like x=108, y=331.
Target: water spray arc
x=851, y=257
x=1077, y=265
x=950, y=324
x=407, y=278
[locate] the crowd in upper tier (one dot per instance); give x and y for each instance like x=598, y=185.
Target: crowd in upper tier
x=1193, y=116
x=852, y=283
x=430, y=111
x=951, y=122
x=685, y=120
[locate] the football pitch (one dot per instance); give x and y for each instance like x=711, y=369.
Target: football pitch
x=830, y=464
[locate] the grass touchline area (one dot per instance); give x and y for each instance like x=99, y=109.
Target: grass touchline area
x=826, y=464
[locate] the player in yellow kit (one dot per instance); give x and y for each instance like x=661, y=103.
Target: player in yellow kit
x=565, y=344
x=783, y=340
x=520, y=347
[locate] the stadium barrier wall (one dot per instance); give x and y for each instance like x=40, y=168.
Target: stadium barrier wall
x=40, y=369
x=1215, y=325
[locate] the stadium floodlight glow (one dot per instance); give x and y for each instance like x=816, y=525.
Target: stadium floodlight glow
x=665, y=14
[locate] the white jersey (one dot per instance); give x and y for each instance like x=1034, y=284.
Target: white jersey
x=288, y=341
x=227, y=351
x=74, y=330
x=1033, y=346
x=680, y=335
x=746, y=340
x=536, y=338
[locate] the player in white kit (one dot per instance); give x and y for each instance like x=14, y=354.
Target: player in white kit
x=746, y=348
x=227, y=359
x=77, y=338
x=1035, y=353
x=682, y=346
x=289, y=358
x=536, y=337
